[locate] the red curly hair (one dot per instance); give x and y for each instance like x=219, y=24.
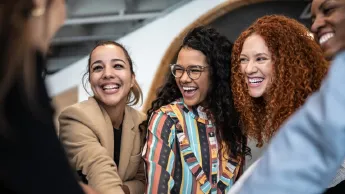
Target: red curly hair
x=299, y=69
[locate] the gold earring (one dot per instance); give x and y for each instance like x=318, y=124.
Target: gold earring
x=37, y=12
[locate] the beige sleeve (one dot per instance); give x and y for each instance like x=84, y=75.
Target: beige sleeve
x=137, y=186
x=86, y=153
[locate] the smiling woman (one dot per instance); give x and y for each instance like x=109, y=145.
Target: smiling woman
x=325, y=15
x=277, y=65
x=194, y=143
x=101, y=135
x=257, y=65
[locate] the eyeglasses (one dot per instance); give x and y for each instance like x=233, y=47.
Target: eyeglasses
x=193, y=71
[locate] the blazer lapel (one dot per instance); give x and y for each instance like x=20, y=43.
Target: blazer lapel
x=103, y=123
x=126, y=142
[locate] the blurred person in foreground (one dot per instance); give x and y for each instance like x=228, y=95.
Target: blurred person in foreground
x=325, y=14
x=314, y=136
x=32, y=160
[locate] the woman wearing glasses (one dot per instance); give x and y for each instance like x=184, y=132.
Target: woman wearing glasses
x=194, y=143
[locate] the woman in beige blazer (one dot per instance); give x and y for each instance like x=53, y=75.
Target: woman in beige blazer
x=101, y=135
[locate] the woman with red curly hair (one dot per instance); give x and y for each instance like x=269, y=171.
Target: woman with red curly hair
x=276, y=65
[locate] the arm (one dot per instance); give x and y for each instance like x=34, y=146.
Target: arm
x=137, y=186
x=86, y=153
x=307, y=151
x=159, y=156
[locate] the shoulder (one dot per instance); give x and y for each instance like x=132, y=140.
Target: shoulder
x=170, y=109
x=167, y=113
x=83, y=111
x=137, y=115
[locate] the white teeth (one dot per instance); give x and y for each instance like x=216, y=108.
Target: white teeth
x=324, y=38
x=189, y=88
x=109, y=87
x=255, y=80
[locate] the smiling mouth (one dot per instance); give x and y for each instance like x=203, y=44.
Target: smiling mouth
x=189, y=91
x=111, y=88
x=324, y=38
x=256, y=81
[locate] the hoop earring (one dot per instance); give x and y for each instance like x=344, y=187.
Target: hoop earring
x=37, y=12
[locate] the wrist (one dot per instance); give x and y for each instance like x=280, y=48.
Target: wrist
x=125, y=189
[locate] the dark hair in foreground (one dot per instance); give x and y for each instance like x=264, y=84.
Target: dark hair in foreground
x=219, y=101
x=17, y=59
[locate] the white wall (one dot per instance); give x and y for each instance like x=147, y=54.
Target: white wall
x=146, y=46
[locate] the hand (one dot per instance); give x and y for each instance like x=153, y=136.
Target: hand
x=87, y=189
x=125, y=189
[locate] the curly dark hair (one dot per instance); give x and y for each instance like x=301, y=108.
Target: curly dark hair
x=300, y=68
x=219, y=100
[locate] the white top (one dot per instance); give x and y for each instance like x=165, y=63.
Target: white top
x=256, y=153
x=339, y=177
x=239, y=183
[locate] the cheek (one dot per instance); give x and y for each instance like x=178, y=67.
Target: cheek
x=177, y=80
x=269, y=69
x=93, y=80
x=242, y=67
x=126, y=78
x=204, y=83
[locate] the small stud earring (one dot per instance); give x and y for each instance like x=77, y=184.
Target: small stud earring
x=37, y=12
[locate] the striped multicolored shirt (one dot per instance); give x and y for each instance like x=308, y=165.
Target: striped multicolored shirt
x=182, y=153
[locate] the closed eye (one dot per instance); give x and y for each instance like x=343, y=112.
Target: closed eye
x=328, y=10
x=97, y=68
x=195, y=70
x=261, y=59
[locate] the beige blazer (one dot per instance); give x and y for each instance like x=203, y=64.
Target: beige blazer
x=86, y=133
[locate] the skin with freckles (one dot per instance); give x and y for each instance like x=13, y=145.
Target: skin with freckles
x=256, y=65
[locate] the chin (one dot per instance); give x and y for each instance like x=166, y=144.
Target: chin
x=110, y=102
x=190, y=103
x=255, y=95
x=329, y=56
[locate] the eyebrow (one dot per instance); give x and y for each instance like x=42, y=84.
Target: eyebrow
x=113, y=60
x=258, y=54
x=320, y=8
x=323, y=5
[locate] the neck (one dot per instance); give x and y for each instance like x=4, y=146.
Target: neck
x=116, y=114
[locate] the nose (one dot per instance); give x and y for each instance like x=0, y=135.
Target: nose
x=185, y=78
x=250, y=68
x=318, y=23
x=107, y=72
